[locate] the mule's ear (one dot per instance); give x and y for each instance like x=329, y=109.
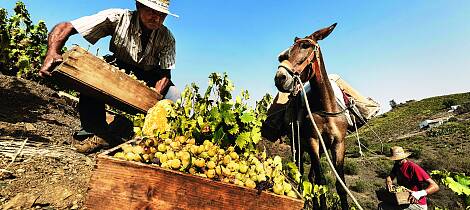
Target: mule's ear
x=322, y=33
x=296, y=38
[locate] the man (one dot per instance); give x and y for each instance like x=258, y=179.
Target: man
x=140, y=43
x=411, y=176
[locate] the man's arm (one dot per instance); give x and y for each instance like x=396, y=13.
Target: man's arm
x=56, y=41
x=389, y=182
x=416, y=195
x=163, y=84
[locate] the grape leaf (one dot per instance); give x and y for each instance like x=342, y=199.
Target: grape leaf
x=256, y=135
x=247, y=117
x=242, y=140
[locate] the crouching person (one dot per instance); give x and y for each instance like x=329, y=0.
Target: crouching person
x=411, y=176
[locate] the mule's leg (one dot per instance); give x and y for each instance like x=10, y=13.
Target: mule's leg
x=337, y=153
x=316, y=174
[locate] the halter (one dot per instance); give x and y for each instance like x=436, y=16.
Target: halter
x=311, y=59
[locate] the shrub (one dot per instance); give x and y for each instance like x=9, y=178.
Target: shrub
x=360, y=186
x=23, y=45
x=447, y=103
x=350, y=168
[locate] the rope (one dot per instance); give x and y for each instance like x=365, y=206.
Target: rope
x=293, y=143
x=324, y=148
x=357, y=137
x=376, y=135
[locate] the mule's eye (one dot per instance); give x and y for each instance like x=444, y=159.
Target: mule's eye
x=305, y=45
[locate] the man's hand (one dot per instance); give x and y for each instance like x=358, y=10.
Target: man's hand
x=416, y=195
x=389, y=183
x=50, y=62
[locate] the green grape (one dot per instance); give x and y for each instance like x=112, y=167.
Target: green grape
x=175, y=164
x=161, y=148
x=278, y=189
x=126, y=148
x=175, y=145
x=227, y=160
x=212, y=152
x=200, y=162
x=200, y=149
x=287, y=187
x=250, y=183
x=204, y=155
x=234, y=155
x=171, y=155
x=243, y=168
x=163, y=158
x=218, y=170
x=210, y=173
x=211, y=164
x=292, y=194
x=120, y=155
x=261, y=177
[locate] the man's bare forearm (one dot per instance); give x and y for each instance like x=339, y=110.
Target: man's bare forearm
x=163, y=84
x=58, y=36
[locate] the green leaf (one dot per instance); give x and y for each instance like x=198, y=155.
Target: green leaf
x=234, y=130
x=307, y=189
x=462, y=179
x=247, y=117
x=218, y=136
x=256, y=135
x=242, y=140
x=456, y=187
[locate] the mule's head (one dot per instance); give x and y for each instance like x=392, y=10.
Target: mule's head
x=298, y=60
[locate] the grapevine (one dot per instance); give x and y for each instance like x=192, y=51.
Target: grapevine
x=23, y=45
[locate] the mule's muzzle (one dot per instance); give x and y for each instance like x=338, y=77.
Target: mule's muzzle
x=284, y=81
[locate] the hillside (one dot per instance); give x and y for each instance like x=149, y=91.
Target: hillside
x=443, y=148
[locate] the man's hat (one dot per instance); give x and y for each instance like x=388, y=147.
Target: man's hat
x=398, y=153
x=159, y=5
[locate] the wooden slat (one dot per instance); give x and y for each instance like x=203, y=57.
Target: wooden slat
x=119, y=184
x=90, y=75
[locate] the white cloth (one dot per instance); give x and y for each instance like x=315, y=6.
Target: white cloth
x=124, y=27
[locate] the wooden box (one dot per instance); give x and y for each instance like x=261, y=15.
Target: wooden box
x=397, y=198
x=88, y=74
x=120, y=184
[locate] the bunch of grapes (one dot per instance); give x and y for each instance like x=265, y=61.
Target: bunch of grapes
x=211, y=161
x=397, y=189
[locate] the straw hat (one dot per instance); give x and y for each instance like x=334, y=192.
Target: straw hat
x=159, y=5
x=398, y=153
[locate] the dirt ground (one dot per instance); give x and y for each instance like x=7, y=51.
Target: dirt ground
x=47, y=174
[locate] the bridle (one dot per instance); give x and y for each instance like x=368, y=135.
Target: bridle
x=312, y=59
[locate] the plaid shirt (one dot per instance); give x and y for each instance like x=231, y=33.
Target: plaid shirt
x=124, y=27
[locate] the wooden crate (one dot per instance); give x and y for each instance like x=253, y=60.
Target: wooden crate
x=120, y=184
x=398, y=198
x=88, y=74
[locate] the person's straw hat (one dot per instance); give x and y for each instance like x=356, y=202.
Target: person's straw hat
x=398, y=153
x=159, y=5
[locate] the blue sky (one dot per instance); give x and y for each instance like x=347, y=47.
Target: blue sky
x=387, y=50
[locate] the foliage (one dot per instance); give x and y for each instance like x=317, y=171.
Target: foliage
x=215, y=116
x=351, y=167
x=457, y=182
x=448, y=103
x=449, y=128
x=23, y=45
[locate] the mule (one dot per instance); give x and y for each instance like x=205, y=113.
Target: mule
x=304, y=60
